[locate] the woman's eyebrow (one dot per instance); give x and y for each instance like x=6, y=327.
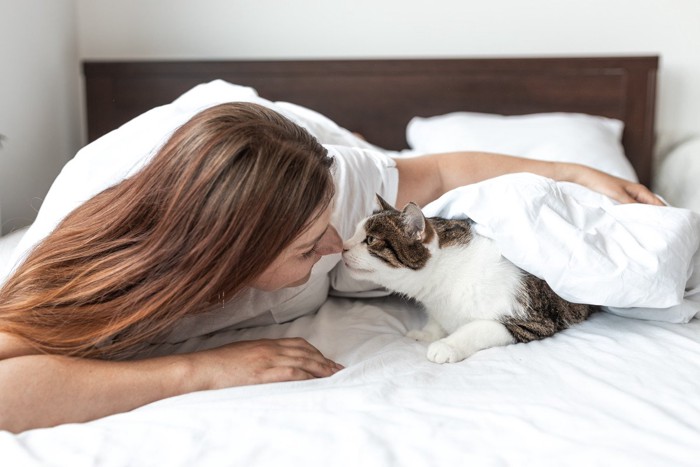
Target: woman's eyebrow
x=313, y=242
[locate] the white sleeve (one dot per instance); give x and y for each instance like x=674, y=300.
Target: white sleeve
x=359, y=175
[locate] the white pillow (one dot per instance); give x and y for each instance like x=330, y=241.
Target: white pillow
x=120, y=153
x=322, y=127
x=7, y=246
x=567, y=137
x=678, y=174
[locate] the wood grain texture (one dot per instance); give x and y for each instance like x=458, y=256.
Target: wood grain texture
x=377, y=98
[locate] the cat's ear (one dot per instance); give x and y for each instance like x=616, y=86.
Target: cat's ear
x=383, y=204
x=414, y=221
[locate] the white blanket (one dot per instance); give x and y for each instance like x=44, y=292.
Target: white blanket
x=636, y=259
x=610, y=391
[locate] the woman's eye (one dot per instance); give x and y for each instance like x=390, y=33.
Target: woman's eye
x=309, y=253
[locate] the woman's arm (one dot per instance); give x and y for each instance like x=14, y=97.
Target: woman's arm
x=47, y=390
x=426, y=178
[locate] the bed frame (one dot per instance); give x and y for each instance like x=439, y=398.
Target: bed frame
x=377, y=98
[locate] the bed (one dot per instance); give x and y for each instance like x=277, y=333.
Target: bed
x=610, y=391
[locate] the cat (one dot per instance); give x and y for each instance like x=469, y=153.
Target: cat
x=473, y=296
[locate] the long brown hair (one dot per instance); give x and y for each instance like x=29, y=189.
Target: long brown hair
x=216, y=205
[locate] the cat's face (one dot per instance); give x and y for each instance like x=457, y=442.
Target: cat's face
x=389, y=242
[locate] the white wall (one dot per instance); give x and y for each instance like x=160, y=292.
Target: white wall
x=40, y=106
x=411, y=28
x=38, y=102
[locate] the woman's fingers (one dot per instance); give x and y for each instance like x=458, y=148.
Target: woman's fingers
x=619, y=189
x=301, y=348
x=296, y=343
x=642, y=194
x=303, y=368
x=266, y=361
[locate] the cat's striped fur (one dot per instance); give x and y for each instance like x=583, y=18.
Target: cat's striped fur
x=474, y=297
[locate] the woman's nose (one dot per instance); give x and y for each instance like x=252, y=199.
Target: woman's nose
x=330, y=242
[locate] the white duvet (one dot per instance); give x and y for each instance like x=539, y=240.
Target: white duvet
x=610, y=391
x=638, y=260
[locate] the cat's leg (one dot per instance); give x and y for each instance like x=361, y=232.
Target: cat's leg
x=431, y=332
x=469, y=339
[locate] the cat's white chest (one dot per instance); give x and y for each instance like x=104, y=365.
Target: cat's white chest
x=470, y=282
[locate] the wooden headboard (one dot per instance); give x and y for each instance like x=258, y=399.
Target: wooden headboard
x=377, y=98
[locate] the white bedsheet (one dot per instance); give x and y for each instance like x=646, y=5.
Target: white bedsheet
x=611, y=391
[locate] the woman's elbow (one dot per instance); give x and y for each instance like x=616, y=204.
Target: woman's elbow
x=9, y=423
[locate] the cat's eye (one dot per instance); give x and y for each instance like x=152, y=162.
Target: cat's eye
x=369, y=239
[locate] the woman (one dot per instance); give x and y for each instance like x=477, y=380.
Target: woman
x=239, y=199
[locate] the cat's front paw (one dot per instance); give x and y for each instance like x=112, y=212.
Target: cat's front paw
x=442, y=352
x=422, y=336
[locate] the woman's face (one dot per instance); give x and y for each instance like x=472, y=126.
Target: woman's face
x=293, y=266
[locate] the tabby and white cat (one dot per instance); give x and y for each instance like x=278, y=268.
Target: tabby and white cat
x=473, y=296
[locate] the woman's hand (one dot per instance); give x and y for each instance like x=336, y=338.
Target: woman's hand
x=621, y=190
x=66, y=389
x=260, y=361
